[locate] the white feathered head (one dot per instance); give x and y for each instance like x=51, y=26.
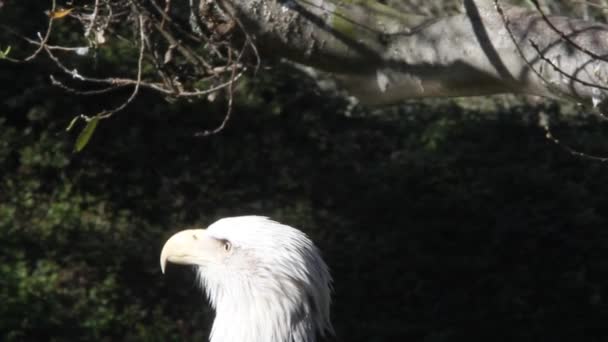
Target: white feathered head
x=266, y=281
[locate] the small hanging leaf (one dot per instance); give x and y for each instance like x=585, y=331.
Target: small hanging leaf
x=4, y=54
x=60, y=13
x=86, y=134
x=72, y=123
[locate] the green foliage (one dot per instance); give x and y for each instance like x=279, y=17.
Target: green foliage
x=86, y=134
x=4, y=54
x=465, y=212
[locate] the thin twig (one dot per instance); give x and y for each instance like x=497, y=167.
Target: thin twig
x=74, y=91
x=248, y=41
x=228, y=110
x=562, y=72
x=550, y=85
x=44, y=40
x=93, y=18
x=506, y=23
x=142, y=47
x=564, y=36
x=166, y=18
x=109, y=16
x=154, y=86
x=544, y=123
x=165, y=13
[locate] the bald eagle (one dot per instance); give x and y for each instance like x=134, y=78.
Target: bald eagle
x=266, y=281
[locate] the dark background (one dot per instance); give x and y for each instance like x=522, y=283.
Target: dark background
x=440, y=220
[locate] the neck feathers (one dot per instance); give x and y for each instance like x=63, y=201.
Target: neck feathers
x=270, y=312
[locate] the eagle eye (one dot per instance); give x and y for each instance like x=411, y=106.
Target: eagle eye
x=227, y=245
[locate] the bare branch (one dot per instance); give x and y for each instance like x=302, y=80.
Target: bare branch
x=93, y=18
x=43, y=41
x=564, y=36
x=543, y=121
x=142, y=47
x=228, y=110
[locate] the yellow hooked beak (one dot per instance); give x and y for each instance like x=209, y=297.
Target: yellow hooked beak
x=189, y=247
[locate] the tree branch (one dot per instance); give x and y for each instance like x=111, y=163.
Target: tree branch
x=383, y=56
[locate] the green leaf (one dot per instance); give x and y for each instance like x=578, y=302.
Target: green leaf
x=4, y=54
x=86, y=134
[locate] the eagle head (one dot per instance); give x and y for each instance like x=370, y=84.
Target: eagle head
x=265, y=280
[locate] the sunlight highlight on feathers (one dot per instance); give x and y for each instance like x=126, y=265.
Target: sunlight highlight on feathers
x=267, y=283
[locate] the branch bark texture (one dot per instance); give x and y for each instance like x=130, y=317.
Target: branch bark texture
x=383, y=56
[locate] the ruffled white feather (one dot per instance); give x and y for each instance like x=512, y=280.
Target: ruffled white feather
x=273, y=287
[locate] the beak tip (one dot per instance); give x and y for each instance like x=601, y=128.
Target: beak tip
x=163, y=261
